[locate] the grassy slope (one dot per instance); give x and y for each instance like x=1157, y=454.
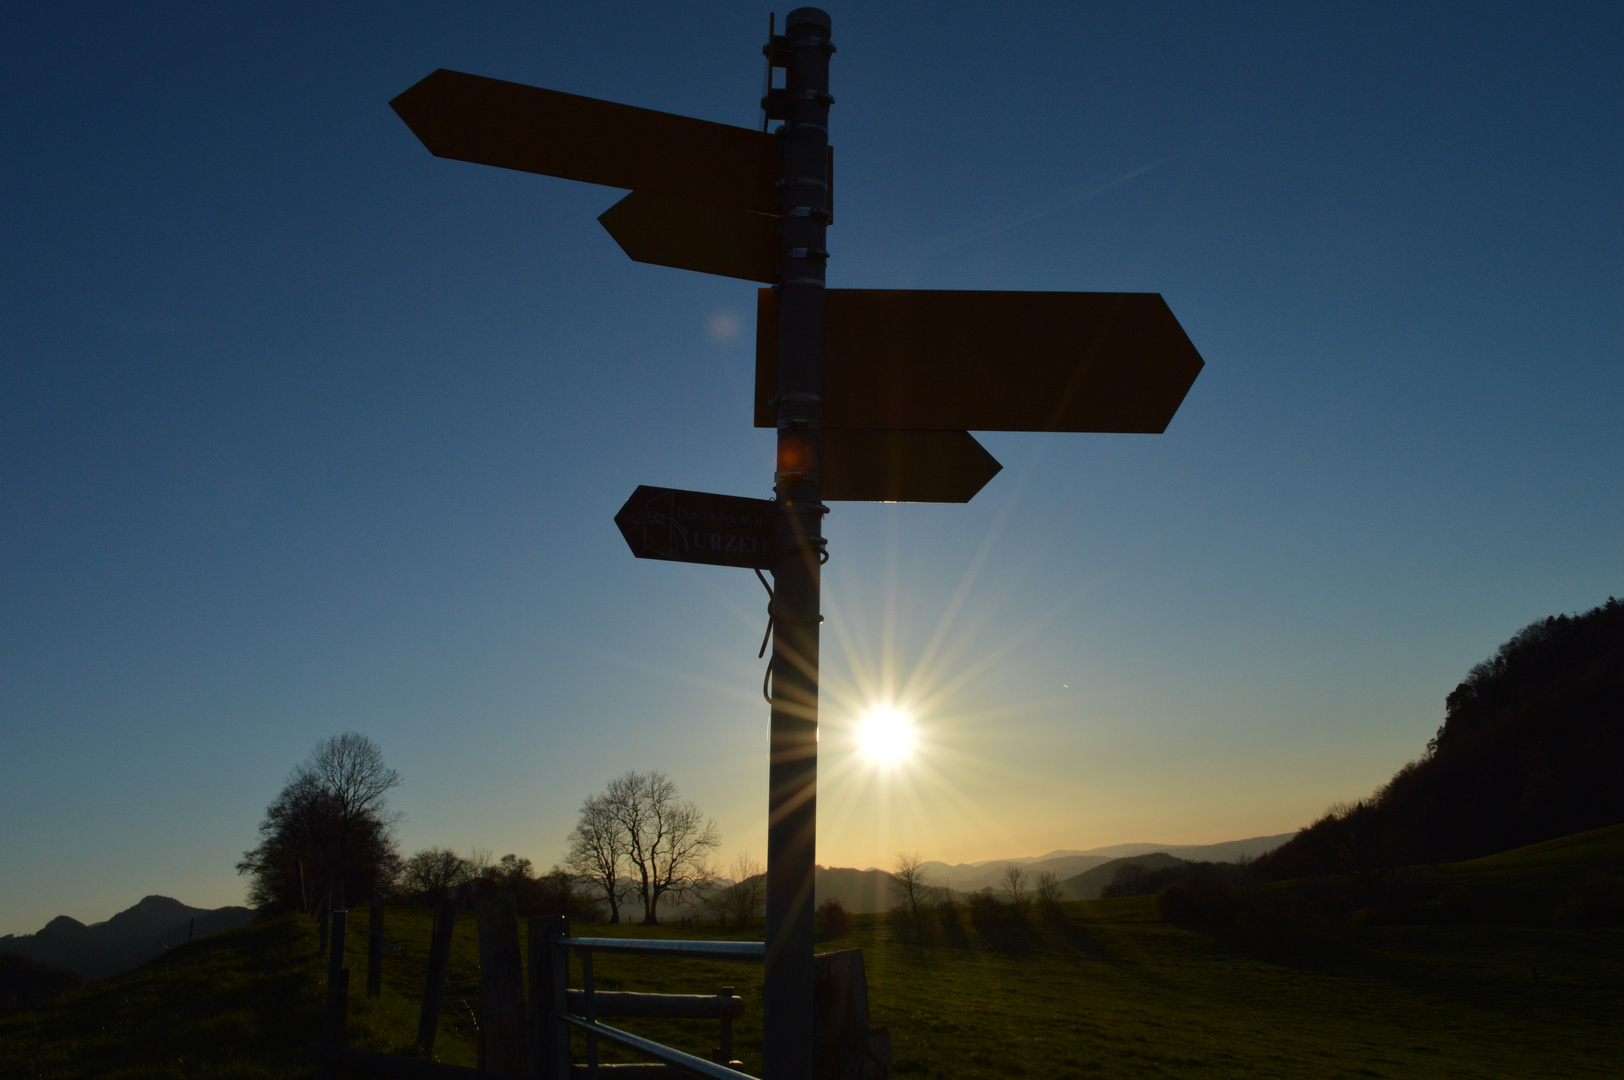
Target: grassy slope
x=1111, y=992
x=1549, y=869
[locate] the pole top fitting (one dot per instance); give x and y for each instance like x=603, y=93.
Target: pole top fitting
x=806, y=16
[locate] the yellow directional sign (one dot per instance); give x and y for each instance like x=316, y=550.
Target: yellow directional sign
x=694, y=236
x=513, y=126
x=991, y=361
x=863, y=465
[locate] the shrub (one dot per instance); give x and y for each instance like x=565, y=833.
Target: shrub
x=1197, y=903
x=987, y=910
x=947, y=918
x=835, y=920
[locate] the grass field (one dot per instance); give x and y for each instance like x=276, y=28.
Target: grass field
x=1109, y=991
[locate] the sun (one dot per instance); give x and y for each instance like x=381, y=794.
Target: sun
x=886, y=735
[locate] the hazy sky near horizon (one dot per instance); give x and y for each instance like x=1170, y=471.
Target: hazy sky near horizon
x=303, y=430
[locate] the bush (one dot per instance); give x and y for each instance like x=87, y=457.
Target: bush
x=1197, y=904
x=947, y=918
x=987, y=910
x=834, y=920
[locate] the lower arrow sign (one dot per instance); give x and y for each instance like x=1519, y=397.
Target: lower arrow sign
x=868, y=465
x=698, y=527
x=694, y=236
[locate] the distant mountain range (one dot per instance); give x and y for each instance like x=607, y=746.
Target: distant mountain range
x=130, y=938
x=1083, y=873
x=969, y=877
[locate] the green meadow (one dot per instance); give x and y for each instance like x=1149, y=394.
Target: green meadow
x=1109, y=989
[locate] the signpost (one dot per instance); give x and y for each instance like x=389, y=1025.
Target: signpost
x=873, y=392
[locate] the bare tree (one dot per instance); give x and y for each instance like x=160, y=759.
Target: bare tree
x=742, y=902
x=433, y=874
x=598, y=850
x=668, y=841
x=908, y=885
x=1015, y=884
x=1048, y=890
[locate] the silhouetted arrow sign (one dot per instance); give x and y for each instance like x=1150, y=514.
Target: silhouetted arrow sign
x=991, y=361
x=694, y=236
x=697, y=527
x=864, y=465
x=513, y=126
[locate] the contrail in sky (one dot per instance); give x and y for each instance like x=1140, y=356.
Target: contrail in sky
x=1067, y=197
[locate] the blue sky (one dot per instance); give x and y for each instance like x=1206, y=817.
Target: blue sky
x=303, y=430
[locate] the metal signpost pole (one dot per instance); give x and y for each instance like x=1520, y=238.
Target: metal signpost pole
x=793, y=770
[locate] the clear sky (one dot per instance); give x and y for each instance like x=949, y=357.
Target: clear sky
x=303, y=430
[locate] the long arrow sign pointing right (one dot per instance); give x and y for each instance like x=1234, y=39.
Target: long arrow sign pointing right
x=991, y=361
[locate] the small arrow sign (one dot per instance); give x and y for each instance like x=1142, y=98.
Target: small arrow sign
x=991, y=361
x=698, y=527
x=513, y=126
x=864, y=465
x=694, y=236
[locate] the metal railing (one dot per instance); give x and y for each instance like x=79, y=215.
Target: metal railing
x=583, y=1009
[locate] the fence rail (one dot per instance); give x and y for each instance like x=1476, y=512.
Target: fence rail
x=665, y=1006
x=741, y=951
x=666, y=1055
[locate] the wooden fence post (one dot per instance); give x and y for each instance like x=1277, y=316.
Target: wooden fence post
x=375, y=947
x=323, y=909
x=845, y=1047
x=538, y=1012
x=558, y=976
x=338, y=985
x=723, y=1055
x=434, y=986
x=501, y=985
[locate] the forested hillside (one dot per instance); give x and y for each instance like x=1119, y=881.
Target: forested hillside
x=1531, y=748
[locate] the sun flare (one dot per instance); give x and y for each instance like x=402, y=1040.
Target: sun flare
x=886, y=736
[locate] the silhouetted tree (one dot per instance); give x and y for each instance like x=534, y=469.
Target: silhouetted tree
x=666, y=840
x=1048, y=894
x=744, y=901
x=332, y=816
x=908, y=885
x=1015, y=885
x=432, y=875
x=598, y=849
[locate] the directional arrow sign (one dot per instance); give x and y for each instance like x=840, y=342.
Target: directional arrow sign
x=694, y=236
x=693, y=526
x=864, y=465
x=991, y=361
x=513, y=126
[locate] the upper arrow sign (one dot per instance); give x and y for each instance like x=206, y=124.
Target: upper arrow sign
x=513, y=126
x=991, y=361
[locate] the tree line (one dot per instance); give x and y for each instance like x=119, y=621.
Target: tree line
x=1531, y=748
x=638, y=840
